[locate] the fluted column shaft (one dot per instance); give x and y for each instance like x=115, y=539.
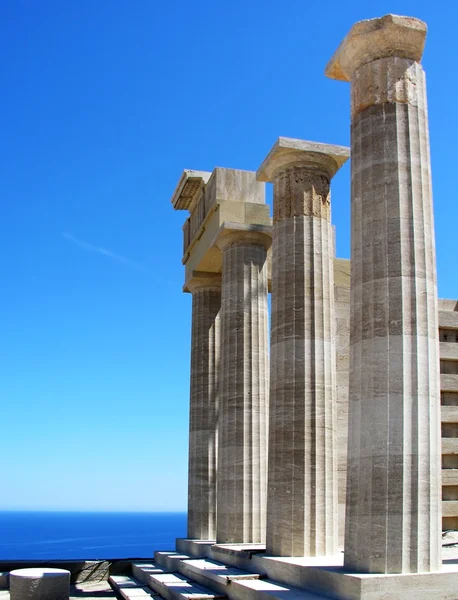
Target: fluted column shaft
x=205, y=352
x=302, y=488
x=242, y=425
x=393, y=489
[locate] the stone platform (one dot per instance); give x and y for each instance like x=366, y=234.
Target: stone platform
x=326, y=576
x=204, y=570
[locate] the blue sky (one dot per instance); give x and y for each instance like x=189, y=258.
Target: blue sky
x=103, y=104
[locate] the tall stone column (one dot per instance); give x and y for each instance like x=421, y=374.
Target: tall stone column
x=205, y=353
x=244, y=385
x=302, y=488
x=393, y=514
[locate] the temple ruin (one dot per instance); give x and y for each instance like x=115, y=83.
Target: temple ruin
x=363, y=359
x=355, y=359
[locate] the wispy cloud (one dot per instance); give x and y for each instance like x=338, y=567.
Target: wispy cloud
x=103, y=251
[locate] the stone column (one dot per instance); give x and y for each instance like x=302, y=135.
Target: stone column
x=393, y=512
x=205, y=352
x=302, y=488
x=244, y=385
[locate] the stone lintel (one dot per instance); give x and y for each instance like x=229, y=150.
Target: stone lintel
x=201, y=279
x=240, y=233
x=234, y=185
x=369, y=40
x=189, y=185
x=288, y=152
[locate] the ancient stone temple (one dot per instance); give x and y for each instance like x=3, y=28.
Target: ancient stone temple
x=363, y=358
x=359, y=360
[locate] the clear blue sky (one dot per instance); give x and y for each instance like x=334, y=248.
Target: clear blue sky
x=103, y=104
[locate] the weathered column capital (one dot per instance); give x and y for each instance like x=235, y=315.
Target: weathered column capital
x=381, y=59
x=229, y=238
x=301, y=172
x=286, y=153
x=372, y=39
x=203, y=281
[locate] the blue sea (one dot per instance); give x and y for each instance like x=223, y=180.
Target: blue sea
x=91, y=535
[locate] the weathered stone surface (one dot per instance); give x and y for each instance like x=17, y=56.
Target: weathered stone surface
x=205, y=352
x=372, y=39
x=292, y=152
x=342, y=316
x=40, y=584
x=393, y=507
x=244, y=384
x=189, y=189
x=302, y=490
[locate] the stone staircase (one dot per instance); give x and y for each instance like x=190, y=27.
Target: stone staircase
x=178, y=576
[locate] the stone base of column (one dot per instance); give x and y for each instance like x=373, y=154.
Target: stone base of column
x=331, y=580
x=325, y=576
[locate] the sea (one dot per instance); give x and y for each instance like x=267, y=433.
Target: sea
x=91, y=535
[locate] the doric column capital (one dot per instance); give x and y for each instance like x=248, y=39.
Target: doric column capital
x=301, y=172
x=229, y=238
x=203, y=281
x=286, y=153
x=391, y=35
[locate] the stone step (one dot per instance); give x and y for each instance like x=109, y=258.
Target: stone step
x=169, y=560
x=214, y=577
x=172, y=586
x=142, y=571
x=214, y=571
x=130, y=588
x=264, y=589
x=194, y=548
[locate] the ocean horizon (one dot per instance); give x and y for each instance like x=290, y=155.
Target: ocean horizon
x=52, y=535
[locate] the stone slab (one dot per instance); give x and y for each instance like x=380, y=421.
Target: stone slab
x=172, y=586
x=327, y=576
x=195, y=548
x=142, y=570
x=258, y=589
x=449, y=383
x=245, y=550
x=130, y=588
x=450, y=508
x=448, y=350
x=218, y=572
x=124, y=581
x=449, y=414
x=169, y=560
x=449, y=445
x=448, y=319
x=449, y=476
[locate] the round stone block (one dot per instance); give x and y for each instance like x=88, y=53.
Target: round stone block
x=40, y=584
